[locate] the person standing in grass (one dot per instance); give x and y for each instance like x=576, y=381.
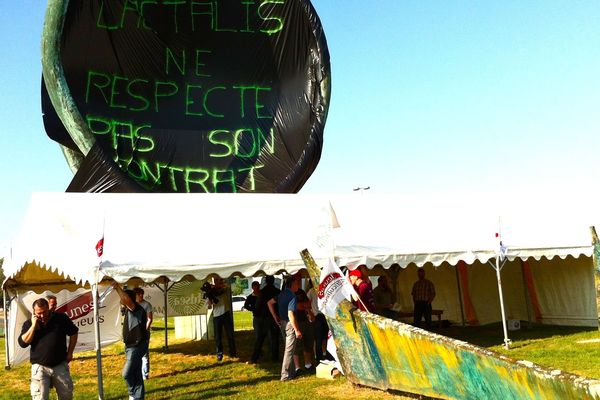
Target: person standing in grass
x=305, y=319
x=46, y=332
x=258, y=323
x=321, y=328
x=222, y=318
x=268, y=292
x=282, y=311
x=139, y=298
x=135, y=337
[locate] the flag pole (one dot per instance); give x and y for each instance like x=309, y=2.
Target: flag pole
x=499, y=262
x=97, y=340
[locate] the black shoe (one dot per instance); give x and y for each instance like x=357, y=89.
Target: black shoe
x=311, y=370
x=298, y=372
x=219, y=357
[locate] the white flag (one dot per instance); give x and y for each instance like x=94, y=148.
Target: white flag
x=333, y=289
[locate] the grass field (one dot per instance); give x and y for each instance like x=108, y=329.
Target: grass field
x=189, y=370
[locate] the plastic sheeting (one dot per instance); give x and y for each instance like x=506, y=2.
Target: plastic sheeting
x=188, y=96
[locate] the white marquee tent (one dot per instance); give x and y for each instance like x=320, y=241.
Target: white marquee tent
x=546, y=246
x=160, y=237
x=170, y=236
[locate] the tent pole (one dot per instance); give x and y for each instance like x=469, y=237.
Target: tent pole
x=165, y=314
x=6, y=347
x=97, y=339
x=506, y=339
x=460, y=299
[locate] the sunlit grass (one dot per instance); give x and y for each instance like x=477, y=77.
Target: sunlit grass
x=189, y=370
x=556, y=347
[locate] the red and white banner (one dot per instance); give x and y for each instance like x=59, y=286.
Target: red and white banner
x=79, y=307
x=333, y=289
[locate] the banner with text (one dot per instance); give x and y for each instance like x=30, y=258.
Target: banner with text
x=197, y=96
x=79, y=307
x=183, y=298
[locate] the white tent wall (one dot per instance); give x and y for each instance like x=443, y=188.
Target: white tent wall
x=564, y=287
x=565, y=290
x=483, y=287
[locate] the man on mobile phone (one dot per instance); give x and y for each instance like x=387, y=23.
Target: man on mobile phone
x=46, y=332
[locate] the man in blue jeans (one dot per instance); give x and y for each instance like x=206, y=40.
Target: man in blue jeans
x=136, y=339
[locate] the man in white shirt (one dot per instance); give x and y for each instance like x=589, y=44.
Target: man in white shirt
x=222, y=317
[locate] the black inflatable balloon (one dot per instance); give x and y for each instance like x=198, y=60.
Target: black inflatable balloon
x=198, y=96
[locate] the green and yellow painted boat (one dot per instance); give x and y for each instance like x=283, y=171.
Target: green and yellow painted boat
x=382, y=353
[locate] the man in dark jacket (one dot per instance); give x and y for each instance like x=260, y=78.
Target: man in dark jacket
x=46, y=332
x=271, y=329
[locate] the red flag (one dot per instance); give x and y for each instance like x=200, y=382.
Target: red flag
x=100, y=247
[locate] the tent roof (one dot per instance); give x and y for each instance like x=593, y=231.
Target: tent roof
x=149, y=236
x=154, y=236
x=389, y=229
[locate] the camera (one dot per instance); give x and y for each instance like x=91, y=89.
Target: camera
x=211, y=293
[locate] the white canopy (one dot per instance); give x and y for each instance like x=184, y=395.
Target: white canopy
x=149, y=236
x=173, y=235
x=158, y=236
x=390, y=229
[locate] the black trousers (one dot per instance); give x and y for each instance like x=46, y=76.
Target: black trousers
x=422, y=309
x=224, y=322
x=321, y=332
x=265, y=327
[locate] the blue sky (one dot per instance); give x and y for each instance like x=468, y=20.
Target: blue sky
x=428, y=99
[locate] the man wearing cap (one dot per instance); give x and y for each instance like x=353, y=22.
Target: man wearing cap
x=366, y=301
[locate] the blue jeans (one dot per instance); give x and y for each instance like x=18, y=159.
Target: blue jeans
x=132, y=371
x=146, y=363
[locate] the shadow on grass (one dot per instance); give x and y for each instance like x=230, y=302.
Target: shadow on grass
x=93, y=356
x=195, y=369
x=243, y=339
x=222, y=390
x=492, y=334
